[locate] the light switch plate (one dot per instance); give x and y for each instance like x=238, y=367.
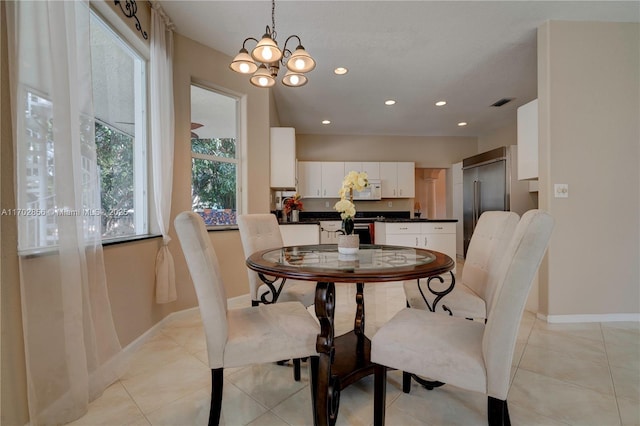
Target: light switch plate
x=561, y=190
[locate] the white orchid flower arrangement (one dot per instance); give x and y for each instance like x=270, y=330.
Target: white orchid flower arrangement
x=353, y=180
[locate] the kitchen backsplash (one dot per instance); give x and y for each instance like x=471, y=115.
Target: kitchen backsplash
x=397, y=204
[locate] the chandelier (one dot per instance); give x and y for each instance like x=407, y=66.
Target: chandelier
x=266, y=58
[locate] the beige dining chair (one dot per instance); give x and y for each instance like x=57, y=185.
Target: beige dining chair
x=468, y=354
x=261, y=232
x=471, y=293
x=238, y=337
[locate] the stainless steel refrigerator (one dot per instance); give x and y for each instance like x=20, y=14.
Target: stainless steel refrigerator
x=490, y=183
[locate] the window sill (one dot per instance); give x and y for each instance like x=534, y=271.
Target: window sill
x=48, y=251
x=216, y=228
x=124, y=240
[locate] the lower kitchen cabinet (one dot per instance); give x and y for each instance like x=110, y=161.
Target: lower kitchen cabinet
x=438, y=236
x=298, y=234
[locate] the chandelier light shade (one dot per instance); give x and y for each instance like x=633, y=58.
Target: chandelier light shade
x=301, y=61
x=243, y=63
x=266, y=59
x=294, y=79
x=262, y=77
x=266, y=51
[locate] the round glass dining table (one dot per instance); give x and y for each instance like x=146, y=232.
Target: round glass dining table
x=344, y=359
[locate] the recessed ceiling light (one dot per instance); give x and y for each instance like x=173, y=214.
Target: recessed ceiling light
x=341, y=71
x=462, y=123
x=389, y=102
x=441, y=103
x=326, y=121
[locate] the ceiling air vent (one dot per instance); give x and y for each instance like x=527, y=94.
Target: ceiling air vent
x=501, y=102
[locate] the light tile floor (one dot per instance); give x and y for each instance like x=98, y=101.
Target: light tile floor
x=569, y=374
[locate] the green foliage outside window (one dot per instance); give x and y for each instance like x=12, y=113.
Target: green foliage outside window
x=115, y=161
x=214, y=181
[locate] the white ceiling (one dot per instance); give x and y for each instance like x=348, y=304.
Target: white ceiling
x=469, y=53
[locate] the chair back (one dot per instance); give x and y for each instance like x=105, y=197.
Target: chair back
x=207, y=280
x=514, y=277
x=258, y=232
x=488, y=244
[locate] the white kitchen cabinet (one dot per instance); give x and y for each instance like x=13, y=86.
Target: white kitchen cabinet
x=398, y=179
x=528, y=141
x=310, y=179
x=283, y=157
x=457, y=198
x=389, y=180
x=371, y=168
x=320, y=179
x=438, y=236
x=332, y=177
x=406, y=179
x=298, y=234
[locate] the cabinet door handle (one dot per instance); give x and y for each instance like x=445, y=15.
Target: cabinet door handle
x=438, y=227
x=425, y=241
x=318, y=192
x=404, y=228
x=417, y=245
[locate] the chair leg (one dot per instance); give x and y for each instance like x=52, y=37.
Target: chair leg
x=379, y=394
x=296, y=369
x=406, y=382
x=498, y=412
x=314, y=362
x=217, y=380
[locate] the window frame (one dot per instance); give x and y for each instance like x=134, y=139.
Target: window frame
x=240, y=148
x=141, y=149
x=141, y=159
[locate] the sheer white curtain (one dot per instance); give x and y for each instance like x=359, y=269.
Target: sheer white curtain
x=162, y=136
x=72, y=350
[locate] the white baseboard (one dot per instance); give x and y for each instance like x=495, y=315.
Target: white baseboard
x=131, y=348
x=589, y=318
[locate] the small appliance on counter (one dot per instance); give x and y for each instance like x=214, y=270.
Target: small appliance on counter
x=280, y=197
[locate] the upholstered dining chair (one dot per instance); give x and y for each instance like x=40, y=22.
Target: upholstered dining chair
x=260, y=232
x=468, y=354
x=472, y=292
x=238, y=337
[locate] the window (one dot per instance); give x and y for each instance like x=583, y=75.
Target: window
x=119, y=123
x=119, y=83
x=214, y=156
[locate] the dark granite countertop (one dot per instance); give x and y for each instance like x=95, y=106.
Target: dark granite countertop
x=316, y=221
x=418, y=220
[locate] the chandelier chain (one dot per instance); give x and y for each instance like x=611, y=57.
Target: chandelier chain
x=273, y=18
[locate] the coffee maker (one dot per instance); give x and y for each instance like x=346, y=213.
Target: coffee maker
x=280, y=197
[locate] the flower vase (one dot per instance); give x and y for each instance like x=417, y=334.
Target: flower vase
x=295, y=215
x=348, y=244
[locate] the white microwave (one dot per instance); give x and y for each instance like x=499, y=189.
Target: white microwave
x=372, y=192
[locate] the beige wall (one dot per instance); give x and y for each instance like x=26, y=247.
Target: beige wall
x=588, y=91
x=196, y=62
x=427, y=151
x=503, y=136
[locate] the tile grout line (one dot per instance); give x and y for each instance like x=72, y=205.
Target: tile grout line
x=613, y=382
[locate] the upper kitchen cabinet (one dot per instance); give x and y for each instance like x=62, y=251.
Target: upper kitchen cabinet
x=283, y=157
x=398, y=179
x=371, y=168
x=320, y=179
x=528, y=141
